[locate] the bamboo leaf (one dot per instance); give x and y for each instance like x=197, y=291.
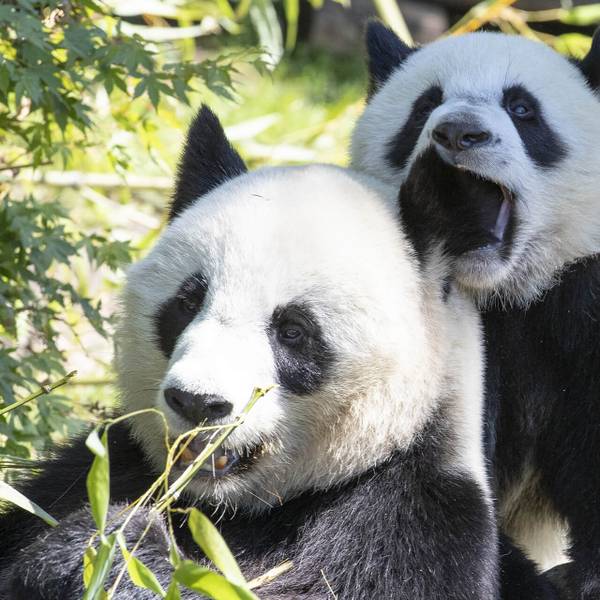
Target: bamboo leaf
x=98, y=479
x=573, y=44
x=211, y=584
x=139, y=573
x=13, y=496
x=101, y=565
x=88, y=565
x=582, y=15
x=173, y=592
x=205, y=534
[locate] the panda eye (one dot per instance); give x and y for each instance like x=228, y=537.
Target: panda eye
x=290, y=333
x=521, y=109
x=190, y=305
x=191, y=294
x=428, y=103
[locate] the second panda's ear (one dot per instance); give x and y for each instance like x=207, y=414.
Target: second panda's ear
x=590, y=65
x=207, y=161
x=386, y=52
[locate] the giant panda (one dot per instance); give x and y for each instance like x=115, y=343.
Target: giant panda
x=364, y=466
x=493, y=142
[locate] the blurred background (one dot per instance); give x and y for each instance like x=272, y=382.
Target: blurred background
x=94, y=100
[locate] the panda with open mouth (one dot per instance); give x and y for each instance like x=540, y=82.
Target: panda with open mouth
x=493, y=142
x=364, y=466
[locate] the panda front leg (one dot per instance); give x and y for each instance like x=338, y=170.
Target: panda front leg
x=51, y=568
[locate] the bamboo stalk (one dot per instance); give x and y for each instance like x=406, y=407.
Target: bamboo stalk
x=99, y=180
x=388, y=10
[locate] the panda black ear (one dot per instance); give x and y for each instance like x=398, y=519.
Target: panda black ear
x=590, y=65
x=386, y=52
x=207, y=161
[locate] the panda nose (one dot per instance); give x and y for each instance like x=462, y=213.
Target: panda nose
x=456, y=137
x=197, y=408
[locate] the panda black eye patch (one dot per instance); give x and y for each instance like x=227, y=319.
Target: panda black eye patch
x=404, y=142
x=302, y=356
x=542, y=144
x=178, y=312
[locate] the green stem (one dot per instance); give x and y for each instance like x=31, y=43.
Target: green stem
x=175, y=489
x=44, y=389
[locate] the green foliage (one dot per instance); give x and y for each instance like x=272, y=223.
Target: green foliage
x=98, y=479
x=13, y=496
x=210, y=584
x=99, y=557
x=207, y=537
x=138, y=572
x=37, y=240
x=56, y=59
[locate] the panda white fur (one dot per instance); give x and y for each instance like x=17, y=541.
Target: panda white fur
x=493, y=142
x=364, y=466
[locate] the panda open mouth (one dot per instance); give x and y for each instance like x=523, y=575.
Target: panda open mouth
x=494, y=204
x=223, y=461
x=469, y=212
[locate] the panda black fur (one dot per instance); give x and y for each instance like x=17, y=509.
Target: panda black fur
x=494, y=144
x=369, y=472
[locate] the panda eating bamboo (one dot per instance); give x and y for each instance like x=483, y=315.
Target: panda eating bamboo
x=364, y=466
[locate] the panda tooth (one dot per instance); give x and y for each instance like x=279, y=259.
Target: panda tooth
x=221, y=462
x=187, y=456
x=502, y=219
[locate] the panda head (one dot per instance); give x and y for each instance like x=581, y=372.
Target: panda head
x=494, y=143
x=297, y=277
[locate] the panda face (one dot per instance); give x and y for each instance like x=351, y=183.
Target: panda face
x=297, y=277
x=493, y=141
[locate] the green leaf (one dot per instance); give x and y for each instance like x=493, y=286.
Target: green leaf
x=101, y=565
x=9, y=493
x=139, y=573
x=89, y=556
x=573, y=44
x=582, y=16
x=206, y=535
x=173, y=592
x=98, y=479
x=211, y=584
x=4, y=79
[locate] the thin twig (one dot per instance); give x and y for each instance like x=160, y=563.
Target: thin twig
x=541, y=16
x=270, y=575
x=44, y=389
x=25, y=166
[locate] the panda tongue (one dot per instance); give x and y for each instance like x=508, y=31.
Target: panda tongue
x=502, y=219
